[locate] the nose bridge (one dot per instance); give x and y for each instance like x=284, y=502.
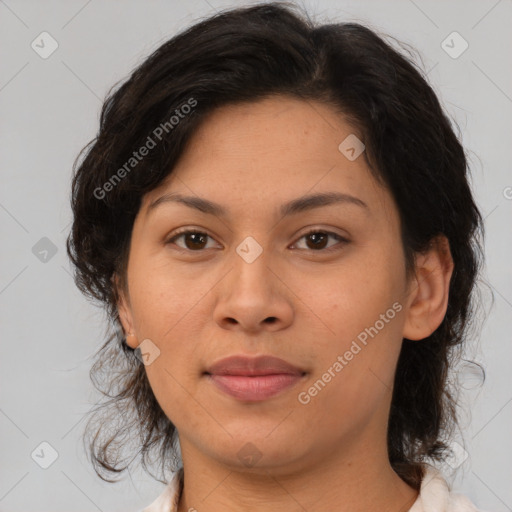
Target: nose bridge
x=251, y=261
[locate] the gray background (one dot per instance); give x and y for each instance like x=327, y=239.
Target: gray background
x=49, y=109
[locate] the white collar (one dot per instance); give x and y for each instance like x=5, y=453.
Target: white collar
x=435, y=495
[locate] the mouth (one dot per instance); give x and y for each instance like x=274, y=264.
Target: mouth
x=253, y=379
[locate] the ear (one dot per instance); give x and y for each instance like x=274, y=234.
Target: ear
x=428, y=291
x=124, y=310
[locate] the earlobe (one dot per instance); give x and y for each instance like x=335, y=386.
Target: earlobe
x=429, y=291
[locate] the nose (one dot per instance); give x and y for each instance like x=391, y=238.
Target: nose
x=254, y=296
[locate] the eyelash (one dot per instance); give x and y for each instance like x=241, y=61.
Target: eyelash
x=342, y=240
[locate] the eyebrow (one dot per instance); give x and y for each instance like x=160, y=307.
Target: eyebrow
x=301, y=204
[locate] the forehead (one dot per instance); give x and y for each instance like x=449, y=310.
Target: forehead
x=272, y=126
x=270, y=151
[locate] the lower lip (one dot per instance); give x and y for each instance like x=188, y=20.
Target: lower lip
x=256, y=388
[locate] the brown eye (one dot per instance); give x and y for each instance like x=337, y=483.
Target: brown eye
x=317, y=240
x=194, y=240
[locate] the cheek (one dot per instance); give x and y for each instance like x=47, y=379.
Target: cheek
x=351, y=297
x=162, y=296
x=361, y=306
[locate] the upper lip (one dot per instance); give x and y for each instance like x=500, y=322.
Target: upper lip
x=251, y=366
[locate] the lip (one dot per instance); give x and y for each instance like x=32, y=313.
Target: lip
x=253, y=366
x=253, y=378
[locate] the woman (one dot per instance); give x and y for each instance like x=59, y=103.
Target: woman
x=277, y=219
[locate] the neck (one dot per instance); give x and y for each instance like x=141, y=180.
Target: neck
x=345, y=483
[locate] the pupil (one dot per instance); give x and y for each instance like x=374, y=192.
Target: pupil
x=196, y=238
x=317, y=238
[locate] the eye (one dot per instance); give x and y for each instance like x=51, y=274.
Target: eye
x=195, y=238
x=319, y=237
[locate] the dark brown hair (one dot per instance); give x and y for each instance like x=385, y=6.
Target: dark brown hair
x=243, y=55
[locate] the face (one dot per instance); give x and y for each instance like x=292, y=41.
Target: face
x=254, y=281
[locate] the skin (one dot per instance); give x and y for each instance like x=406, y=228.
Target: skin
x=200, y=301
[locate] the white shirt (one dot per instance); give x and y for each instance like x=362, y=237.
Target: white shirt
x=434, y=495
